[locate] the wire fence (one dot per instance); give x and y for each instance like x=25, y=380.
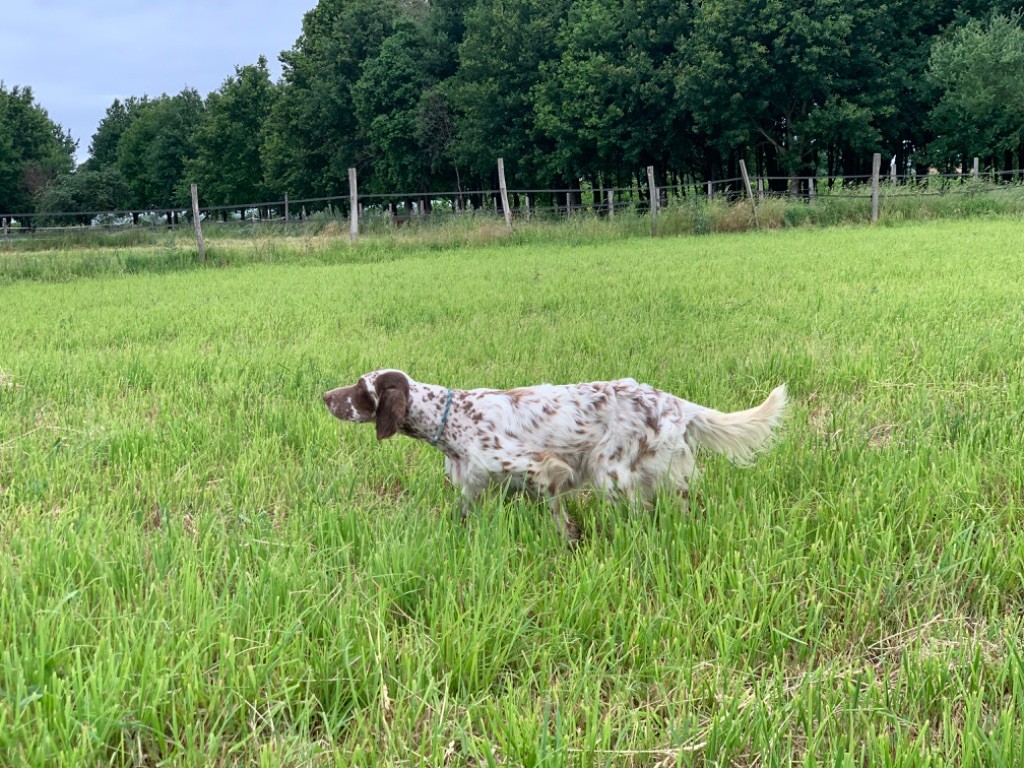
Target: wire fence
x=376, y=210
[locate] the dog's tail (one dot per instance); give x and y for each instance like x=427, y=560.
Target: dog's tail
x=741, y=434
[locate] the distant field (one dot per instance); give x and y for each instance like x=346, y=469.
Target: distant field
x=200, y=567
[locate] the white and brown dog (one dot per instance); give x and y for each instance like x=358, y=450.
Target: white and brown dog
x=626, y=439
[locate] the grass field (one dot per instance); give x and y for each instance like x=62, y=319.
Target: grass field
x=200, y=567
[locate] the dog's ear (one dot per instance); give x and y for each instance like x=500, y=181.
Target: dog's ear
x=392, y=403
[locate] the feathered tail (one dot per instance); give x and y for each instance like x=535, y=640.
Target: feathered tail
x=740, y=434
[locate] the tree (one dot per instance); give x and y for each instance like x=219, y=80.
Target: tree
x=607, y=103
x=426, y=94
x=103, y=147
x=980, y=109
x=786, y=82
x=227, y=166
x=10, y=169
x=33, y=149
x=312, y=135
x=86, y=190
x=391, y=98
x=155, y=147
x=901, y=34
x=500, y=61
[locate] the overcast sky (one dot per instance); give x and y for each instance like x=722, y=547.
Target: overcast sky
x=80, y=55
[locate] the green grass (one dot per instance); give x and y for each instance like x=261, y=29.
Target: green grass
x=198, y=566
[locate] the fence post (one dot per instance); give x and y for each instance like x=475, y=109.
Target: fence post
x=876, y=166
x=611, y=204
x=810, y=189
x=760, y=190
x=527, y=207
x=976, y=169
x=195, y=222
x=652, y=192
x=353, y=203
x=286, y=212
x=504, y=192
x=710, y=193
x=750, y=192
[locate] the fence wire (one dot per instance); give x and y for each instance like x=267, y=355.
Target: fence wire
x=397, y=209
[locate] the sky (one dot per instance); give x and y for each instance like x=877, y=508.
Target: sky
x=80, y=55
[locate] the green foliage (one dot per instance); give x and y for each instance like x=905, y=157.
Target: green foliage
x=977, y=72
x=500, y=60
x=576, y=95
x=155, y=147
x=226, y=164
x=608, y=102
x=389, y=98
x=785, y=82
x=312, y=135
x=33, y=149
x=119, y=115
x=86, y=190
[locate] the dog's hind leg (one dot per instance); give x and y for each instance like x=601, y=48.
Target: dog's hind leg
x=553, y=477
x=682, y=470
x=565, y=524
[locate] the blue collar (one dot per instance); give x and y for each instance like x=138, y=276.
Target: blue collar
x=444, y=418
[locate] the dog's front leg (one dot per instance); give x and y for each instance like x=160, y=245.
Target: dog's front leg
x=468, y=502
x=471, y=483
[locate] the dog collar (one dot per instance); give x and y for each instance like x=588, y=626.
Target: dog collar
x=444, y=418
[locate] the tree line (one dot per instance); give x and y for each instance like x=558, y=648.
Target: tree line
x=423, y=95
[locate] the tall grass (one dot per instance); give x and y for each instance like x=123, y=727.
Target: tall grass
x=200, y=567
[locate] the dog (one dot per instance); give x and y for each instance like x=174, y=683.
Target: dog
x=626, y=439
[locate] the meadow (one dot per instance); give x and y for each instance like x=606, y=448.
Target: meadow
x=199, y=566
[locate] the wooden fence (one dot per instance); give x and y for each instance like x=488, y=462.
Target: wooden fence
x=509, y=204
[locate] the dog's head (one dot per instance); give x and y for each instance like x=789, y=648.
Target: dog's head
x=380, y=396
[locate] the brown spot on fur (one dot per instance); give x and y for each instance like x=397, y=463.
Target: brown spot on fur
x=517, y=395
x=644, y=450
x=652, y=422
